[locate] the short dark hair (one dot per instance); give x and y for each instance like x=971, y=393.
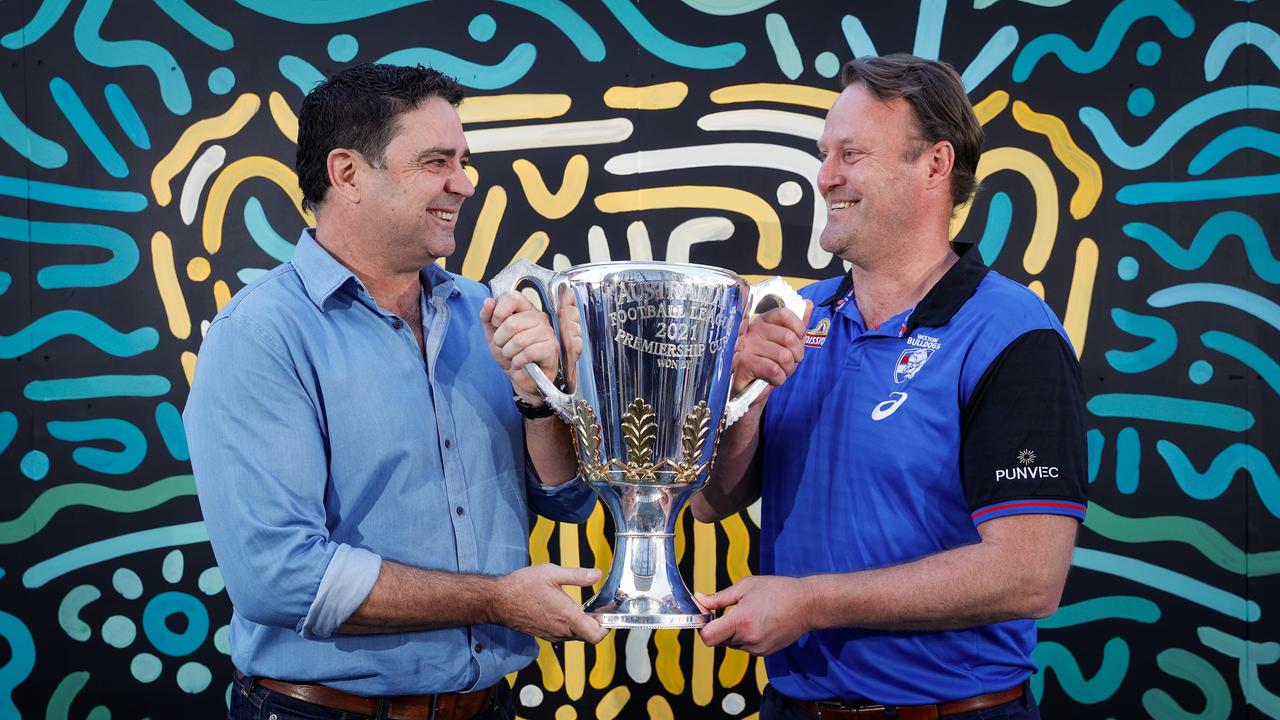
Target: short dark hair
x=359, y=108
x=942, y=108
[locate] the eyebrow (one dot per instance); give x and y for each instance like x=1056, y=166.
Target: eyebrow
x=445, y=151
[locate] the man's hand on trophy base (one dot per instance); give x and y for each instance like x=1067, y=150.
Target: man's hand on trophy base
x=770, y=348
x=519, y=334
x=532, y=600
x=768, y=614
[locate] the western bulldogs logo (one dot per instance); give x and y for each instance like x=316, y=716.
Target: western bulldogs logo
x=909, y=363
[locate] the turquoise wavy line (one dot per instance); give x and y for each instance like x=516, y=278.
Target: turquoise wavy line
x=1237, y=138
x=96, y=386
x=47, y=15
x=1114, y=607
x=124, y=251
x=127, y=116
x=58, y=565
x=8, y=429
x=1215, y=480
x=69, y=611
x=108, y=462
x=564, y=19
x=1194, y=669
x=1252, y=356
x=65, y=97
x=1176, y=126
x=715, y=57
x=51, y=502
x=727, y=7
x=255, y=220
x=1234, y=297
x=5, y=281
x=128, y=53
x=508, y=71
x=1233, y=37
x=300, y=72
x=929, y=28
x=1171, y=409
x=248, y=275
x=1055, y=656
x=1202, y=536
x=169, y=422
x=323, y=12
x=200, y=27
x=1128, y=460
x=856, y=35
x=999, y=218
x=26, y=142
x=1193, y=190
x=1229, y=223
x=996, y=51
x=784, y=46
x=59, y=707
x=83, y=325
x=1250, y=654
x=71, y=196
x=22, y=660
x=984, y=4
x=1165, y=580
x=1096, y=442
x=1174, y=16
x=1164, y=342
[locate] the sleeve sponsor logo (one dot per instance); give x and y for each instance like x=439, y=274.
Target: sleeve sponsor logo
x=1026, y=469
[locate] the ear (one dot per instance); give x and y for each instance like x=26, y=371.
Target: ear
x=941, y=158
x=344, y=177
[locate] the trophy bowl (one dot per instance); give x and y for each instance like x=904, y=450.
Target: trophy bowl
x=647, y=362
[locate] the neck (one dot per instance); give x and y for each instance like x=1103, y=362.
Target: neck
x=894, y=285
x=394, y=287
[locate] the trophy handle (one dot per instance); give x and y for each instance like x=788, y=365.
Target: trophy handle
x=507, y=281
x=781, y=294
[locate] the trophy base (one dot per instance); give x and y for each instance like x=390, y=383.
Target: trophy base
x=653, y=622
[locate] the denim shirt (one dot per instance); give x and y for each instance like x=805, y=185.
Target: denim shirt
x=323, y=440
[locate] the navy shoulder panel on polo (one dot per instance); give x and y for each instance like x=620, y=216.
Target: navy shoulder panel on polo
x=894, y=442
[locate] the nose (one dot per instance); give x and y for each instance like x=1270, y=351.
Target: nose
x=828, y=175
x=460, y=184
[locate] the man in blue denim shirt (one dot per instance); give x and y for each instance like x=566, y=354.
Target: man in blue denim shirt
x=362, y=467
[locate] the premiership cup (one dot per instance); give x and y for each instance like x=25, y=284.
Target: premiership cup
x=647, y=358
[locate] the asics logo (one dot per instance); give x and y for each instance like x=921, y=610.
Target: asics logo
x=888, y=407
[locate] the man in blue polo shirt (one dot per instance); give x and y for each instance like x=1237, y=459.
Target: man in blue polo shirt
x=922, y=471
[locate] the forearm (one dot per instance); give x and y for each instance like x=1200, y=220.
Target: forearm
x=407, y=599
x=550, y=448
x=735, y=479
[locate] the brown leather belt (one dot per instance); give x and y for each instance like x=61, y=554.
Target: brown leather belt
x=835, y=710
x=445, y=706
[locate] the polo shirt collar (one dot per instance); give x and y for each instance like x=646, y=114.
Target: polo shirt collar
x=322, y=275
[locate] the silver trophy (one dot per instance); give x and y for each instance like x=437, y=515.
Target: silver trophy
x=647, y=358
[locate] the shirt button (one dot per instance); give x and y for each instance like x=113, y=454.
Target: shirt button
x=397, y=324
x=479, y=648
x=447, y=444
x=460, y=511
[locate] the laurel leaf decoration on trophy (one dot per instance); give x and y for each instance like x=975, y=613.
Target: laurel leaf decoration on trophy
x=693, y=438
x=586, y=436
x=640, y=434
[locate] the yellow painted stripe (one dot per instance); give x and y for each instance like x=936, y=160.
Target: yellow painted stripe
x=613, y=702
x=1030, y=166
x=1036, y=287
x=553, y=206
x=221, y=126
x=1076, y=320
x=733, y=668
x=540, y=541
x=575, y=653
x=762, y=676
x=667, y=664
x=1084, y=167
x=549, y=667
x=606, y=652
x=736, y=559
x=704, y=581
x=175, y=305
x=534, y=247
x=566, y=712
x=472, y=174
x=283, y=115
x=198, y=269
x=485, y=232
x=221, y=294
x=662, y=96
x=254, y=166
x=769, y=248
x=776, y=92
x=992, y=105
x=188, y=360
x=659, y=708
x=514, y=106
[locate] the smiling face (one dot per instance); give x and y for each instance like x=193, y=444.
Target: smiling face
x=869, y=177
x=411, y=203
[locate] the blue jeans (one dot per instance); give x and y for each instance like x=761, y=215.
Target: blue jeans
x=254, y=702
x=774, y=707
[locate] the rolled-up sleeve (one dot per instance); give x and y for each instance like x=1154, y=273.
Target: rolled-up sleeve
x=258, y=454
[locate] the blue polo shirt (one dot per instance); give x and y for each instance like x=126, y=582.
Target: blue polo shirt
x=895, y=442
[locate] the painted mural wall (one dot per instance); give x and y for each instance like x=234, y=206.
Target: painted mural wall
x=1130, y=178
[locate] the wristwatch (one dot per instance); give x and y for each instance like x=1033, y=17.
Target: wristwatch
x=530, y=411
